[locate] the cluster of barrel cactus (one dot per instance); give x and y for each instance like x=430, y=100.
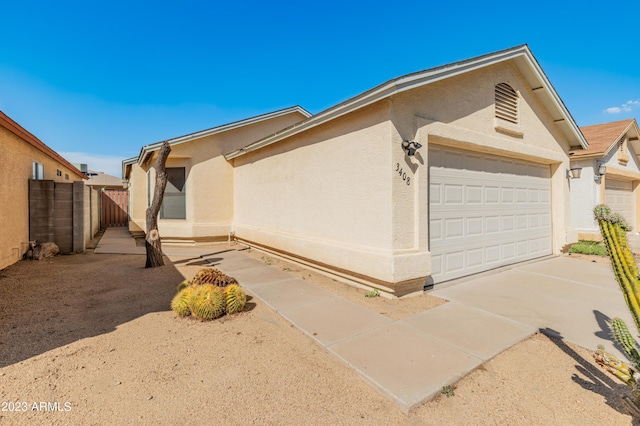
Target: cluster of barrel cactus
x=614, y=230
x=209, y=295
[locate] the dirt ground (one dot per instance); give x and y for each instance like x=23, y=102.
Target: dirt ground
x=89, y=339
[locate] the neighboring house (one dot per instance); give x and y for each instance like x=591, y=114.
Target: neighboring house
x=23, y=157
x=429, y=177
x=101, y=180
x=609, y=174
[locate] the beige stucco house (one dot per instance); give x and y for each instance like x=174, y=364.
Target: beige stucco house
x=426, y=178
x=198, y=201
x=609, y=174
x=23, y=157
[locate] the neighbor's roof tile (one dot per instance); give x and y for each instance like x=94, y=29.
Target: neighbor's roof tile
x=602, y=136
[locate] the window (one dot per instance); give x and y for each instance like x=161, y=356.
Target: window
x=506, y=103
x=58, y=172
x=174, y=200
x=37, y=171
x=66, y=176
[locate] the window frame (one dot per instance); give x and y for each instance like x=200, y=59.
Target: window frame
x=37, y=171
x=182, y=194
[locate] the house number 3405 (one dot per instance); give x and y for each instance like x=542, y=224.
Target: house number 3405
x=403, y=174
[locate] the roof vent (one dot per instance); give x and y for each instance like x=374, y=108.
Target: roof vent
x=506, y=103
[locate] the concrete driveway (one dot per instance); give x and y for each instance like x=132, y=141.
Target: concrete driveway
x=563, y=296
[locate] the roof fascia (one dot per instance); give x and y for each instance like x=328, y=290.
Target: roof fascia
x=566, y=118
x=414, y=80
x=22, y=133
x=219, y=129
x=126, y=166
x=575, y=156
x=614, y=143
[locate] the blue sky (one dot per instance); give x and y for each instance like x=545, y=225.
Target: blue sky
x=98, y=80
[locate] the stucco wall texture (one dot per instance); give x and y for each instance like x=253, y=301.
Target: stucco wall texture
x=17, y=157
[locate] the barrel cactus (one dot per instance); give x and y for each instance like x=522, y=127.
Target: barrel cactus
x=184, y=284
x=209, y=295
x=236, y=298
x=207, y=302
x=614, y=230
x=180, y=302
x=212, y=276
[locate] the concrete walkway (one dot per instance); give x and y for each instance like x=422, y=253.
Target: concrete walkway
x=410, y=360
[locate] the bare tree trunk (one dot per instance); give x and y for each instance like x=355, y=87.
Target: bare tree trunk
x=152, y=240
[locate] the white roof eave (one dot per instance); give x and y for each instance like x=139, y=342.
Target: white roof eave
x=145, y=150
x=522, y=56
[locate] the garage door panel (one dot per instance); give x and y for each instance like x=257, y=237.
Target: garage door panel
x=454, y=261
x=474, y=226
x=487, y=211
x=454, y=228
x=475, y=257
x=435, y=194
x=492, y=224
x=619, y=197
x=436, y=264
x=468, y=242
x=509, y=251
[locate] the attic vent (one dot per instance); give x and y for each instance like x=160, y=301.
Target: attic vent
x=623, y=151
x=506, y=103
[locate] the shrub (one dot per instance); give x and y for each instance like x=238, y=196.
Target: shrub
x=589, y=247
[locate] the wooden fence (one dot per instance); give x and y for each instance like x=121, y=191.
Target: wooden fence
x=114, y=208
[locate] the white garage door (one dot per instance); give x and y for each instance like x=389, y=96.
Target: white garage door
x=619, y=197
x=485, y=211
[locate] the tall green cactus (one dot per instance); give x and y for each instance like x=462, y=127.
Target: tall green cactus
x=614, y=230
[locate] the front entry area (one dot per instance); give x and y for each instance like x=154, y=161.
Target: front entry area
x=485, y=211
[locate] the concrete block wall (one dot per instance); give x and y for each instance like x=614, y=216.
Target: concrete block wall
x=63, y=213
x=57, y=213
x=91, y=213
x=78, y=213
x=41, y=210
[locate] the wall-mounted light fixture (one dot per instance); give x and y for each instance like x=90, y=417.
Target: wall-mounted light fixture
x=601, y=170
x=411, y=147
x=574, y=173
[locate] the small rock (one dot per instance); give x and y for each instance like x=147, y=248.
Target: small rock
x=45, y=250
x=150, y=398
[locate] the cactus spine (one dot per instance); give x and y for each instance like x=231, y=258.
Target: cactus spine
x=623, y=336
x=613, y=228
x=180, y=302
x=207, y=302
x=236, y=298
x=212, y=276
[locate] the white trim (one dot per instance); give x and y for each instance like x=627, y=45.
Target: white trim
x=215, y=130
x=128, y=162
x=533, y=73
